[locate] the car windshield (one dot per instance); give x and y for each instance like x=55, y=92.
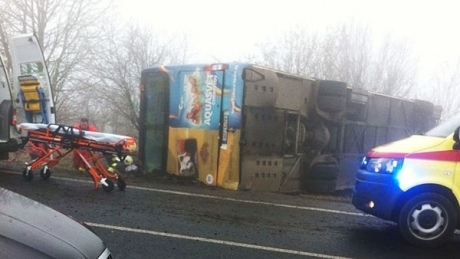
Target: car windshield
x=446, y=128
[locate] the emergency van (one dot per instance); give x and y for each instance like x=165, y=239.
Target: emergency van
x=28, y=96
x=7, y=144
x=415, y=182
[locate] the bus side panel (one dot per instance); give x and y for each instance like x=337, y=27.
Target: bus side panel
x=230, y=131
x=229, y=162
x=262, y=136
x=195, y=109
x=191, y=154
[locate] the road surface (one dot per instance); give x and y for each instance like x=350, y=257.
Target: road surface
x=164, y=219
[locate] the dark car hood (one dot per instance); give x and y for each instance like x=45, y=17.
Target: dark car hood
x=31, y=229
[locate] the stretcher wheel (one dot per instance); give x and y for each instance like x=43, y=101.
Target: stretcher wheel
x=45, y=173
x=27, y=174
x=121, y=184
x=108, y=187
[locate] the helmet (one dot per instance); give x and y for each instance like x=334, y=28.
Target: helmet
x=128, y=160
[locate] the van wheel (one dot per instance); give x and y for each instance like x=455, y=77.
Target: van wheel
x=427, y=219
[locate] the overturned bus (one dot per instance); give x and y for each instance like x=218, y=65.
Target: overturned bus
x=241, y=126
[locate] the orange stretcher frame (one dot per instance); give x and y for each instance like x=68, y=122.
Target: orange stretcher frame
x=53, y=142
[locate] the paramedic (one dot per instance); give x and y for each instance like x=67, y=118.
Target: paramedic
x=77, y=162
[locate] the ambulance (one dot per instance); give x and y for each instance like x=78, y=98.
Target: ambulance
x=7, y=115
x=28, y=94
x=415, y=182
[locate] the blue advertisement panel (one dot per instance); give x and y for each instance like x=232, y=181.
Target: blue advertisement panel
x=204, y=104
x=196, y=98
x=233, y=99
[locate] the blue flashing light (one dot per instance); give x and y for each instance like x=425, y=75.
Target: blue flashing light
x=405, y=178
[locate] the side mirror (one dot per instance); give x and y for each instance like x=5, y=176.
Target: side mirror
x=456, y=135
x=456, y=139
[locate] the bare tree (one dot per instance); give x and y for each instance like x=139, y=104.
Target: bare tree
x=67, y=30
x=116, y=72
x=344, y=53
x=444, y=89
x=95, y=62
x=394, y=70
x=294, y=52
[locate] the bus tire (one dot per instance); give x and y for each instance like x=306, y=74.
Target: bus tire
x=332, y=104
x=334, y=88
x=323, y=172
x=427, y=219
x=320, y=186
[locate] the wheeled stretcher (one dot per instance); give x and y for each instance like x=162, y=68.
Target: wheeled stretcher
x=53, y=142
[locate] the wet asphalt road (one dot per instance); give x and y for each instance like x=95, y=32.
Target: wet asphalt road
x=164, y=219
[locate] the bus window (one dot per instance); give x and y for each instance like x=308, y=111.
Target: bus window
x=154, y=119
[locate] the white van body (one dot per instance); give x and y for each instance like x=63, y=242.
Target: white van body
x=28, y=65
x=27, y=61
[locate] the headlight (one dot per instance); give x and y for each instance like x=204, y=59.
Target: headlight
x=382, y=165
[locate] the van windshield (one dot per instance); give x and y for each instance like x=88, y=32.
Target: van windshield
x=446, y=128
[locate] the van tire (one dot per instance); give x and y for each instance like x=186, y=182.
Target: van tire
x=439, y=220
